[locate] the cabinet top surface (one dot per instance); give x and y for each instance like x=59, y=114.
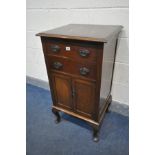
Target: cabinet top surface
x=96, y=33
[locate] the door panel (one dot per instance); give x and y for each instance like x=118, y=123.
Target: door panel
x=62, y=90
x=84, y=99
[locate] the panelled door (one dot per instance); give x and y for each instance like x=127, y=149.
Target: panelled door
x=84, y=98
x=74, y=94
x=62, y=90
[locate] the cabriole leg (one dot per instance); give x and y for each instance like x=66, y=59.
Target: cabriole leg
x=95, y=135
x=56, y=113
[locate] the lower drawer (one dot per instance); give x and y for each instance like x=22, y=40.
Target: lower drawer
x=87, y=70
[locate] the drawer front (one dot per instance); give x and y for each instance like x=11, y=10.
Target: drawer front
x=76, y=51
x=87, y=70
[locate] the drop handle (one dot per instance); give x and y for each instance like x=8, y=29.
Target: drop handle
x=84, y=71
x=84, y=52
x=55, y=48
x=57, y=65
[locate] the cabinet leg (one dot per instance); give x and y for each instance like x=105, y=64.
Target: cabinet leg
x=109, y=102
x=95, y=135
x=56, y=113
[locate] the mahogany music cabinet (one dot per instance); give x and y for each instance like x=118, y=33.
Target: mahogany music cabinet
x=80, y=63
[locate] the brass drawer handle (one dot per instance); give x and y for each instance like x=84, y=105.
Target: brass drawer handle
x=84, y=53
x=57, y=65
x=55, y=48
x=84, y=71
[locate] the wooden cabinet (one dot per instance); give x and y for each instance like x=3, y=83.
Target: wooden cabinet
x=80, y=63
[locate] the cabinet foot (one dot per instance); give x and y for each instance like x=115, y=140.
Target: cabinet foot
x=56, y=113
x=95, y=135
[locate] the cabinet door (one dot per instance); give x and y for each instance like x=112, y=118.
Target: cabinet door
x=84, y=98
x=62, y=90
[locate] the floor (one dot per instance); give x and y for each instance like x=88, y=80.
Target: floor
x=71, y=136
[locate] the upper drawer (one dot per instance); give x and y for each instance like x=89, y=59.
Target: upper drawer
x=72, y=49
x=86, y=70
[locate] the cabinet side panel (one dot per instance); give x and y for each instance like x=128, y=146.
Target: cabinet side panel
x=107, y=68
x=44, y=40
